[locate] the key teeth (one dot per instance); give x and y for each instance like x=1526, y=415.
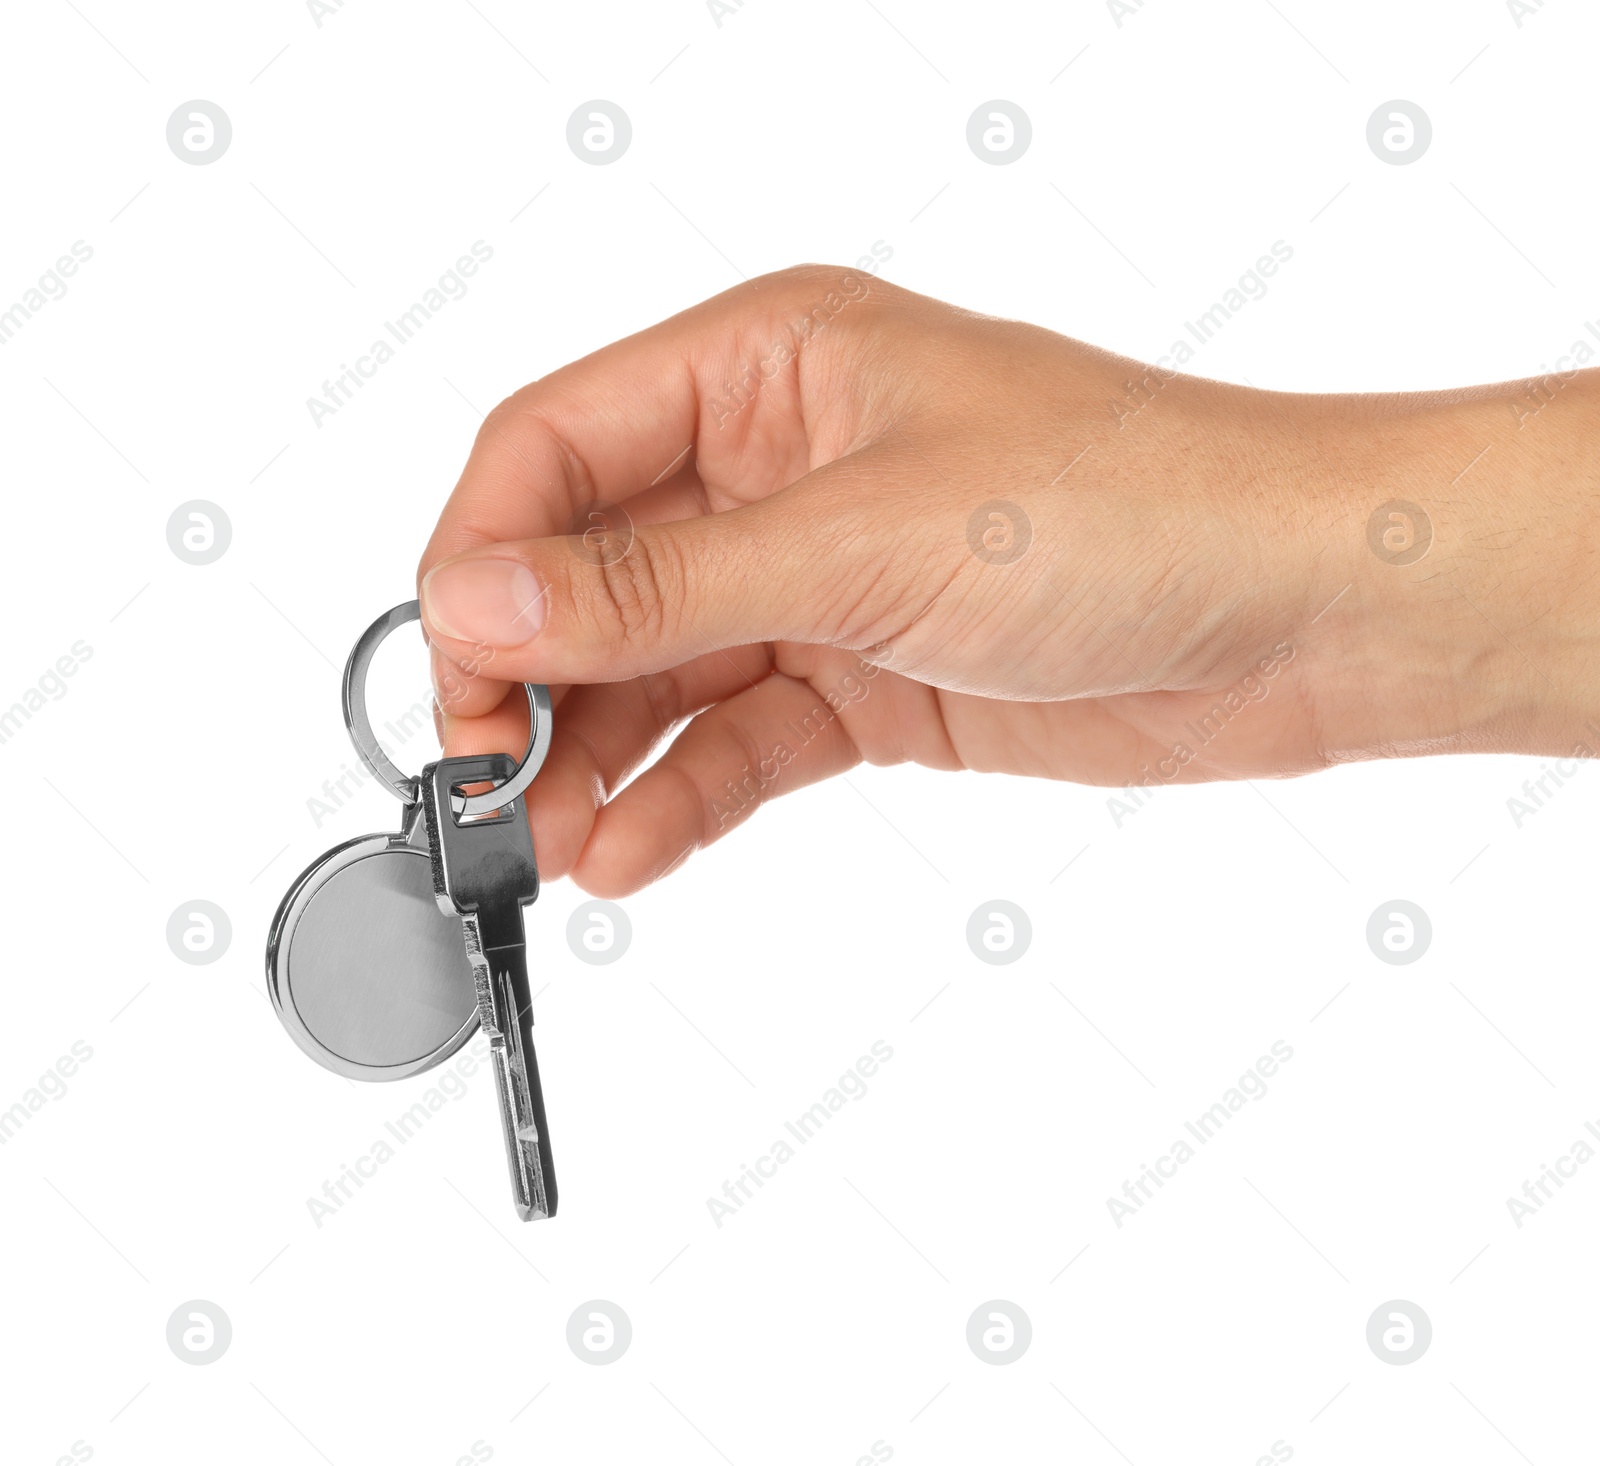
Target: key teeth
x=494, y=939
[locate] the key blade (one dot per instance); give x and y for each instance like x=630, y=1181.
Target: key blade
x=505, y=1010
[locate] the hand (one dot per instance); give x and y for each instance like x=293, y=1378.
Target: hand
x=842, y=522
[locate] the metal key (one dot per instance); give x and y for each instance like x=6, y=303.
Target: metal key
x=484, y=872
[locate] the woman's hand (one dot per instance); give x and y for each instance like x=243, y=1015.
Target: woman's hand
x=827, y=520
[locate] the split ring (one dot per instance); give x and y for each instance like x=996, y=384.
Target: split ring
x=408, y=787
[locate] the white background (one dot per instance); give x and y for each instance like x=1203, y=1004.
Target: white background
x=830, y=1313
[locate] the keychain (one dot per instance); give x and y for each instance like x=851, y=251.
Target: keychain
x=366, y=962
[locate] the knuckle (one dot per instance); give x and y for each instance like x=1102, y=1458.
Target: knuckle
x=802, y=287
x=805, y=277
x=491, y=429
x=522, y=434
x=632, y=593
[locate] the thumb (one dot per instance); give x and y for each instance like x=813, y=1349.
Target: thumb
x=629, y=602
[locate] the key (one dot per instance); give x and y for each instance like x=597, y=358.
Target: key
x=484, y=872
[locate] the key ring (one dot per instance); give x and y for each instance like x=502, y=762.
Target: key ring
x=408, y=788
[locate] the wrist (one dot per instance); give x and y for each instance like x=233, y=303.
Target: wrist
x=1459, y=608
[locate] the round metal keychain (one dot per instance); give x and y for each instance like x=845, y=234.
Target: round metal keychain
x=368, y=975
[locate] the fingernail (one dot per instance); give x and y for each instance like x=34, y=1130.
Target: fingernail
x=490, y=600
